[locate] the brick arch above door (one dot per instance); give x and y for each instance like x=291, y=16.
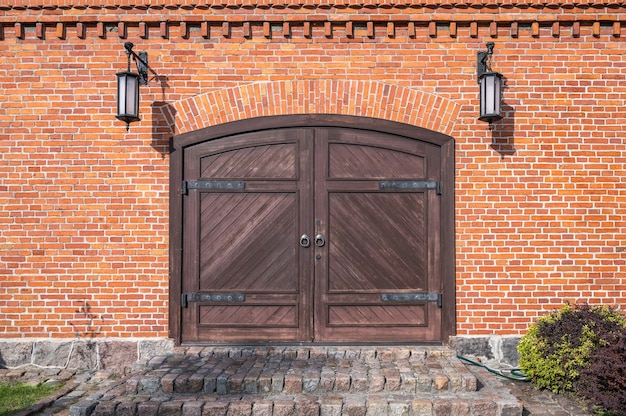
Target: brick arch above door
x=352, y=98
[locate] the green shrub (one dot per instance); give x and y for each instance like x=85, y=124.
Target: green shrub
x=603, y=382
x=560, y=344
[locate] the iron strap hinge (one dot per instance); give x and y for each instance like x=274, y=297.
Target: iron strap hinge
x=413, y=297
x=428, y=184
x=212, y=185
x=211, y=297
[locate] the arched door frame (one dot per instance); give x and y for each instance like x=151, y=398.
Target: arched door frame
x=186, y=140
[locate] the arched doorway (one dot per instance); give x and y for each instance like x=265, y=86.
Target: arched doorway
x=312, y=228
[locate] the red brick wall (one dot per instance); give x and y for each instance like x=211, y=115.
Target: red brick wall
x=540, y=200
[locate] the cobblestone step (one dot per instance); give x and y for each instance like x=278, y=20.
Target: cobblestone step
x=350, y=404
x=369, y=381
x=305, y=370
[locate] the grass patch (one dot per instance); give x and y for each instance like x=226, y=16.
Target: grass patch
x=15, y=396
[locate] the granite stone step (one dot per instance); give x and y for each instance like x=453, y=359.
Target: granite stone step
x=466, y=404
x=296, y=380
x=305, y=370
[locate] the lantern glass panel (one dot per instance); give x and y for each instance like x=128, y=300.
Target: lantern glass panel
x=127, y=96
x=490, y=96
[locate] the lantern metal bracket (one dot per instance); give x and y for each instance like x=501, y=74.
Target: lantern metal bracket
x=483, y=65
x=141, y=60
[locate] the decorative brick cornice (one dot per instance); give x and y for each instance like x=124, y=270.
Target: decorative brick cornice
x=270, y=18
x=248, y=23
x=308, y=4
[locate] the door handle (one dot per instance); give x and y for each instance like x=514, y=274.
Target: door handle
x=305, y=241
x=319, y=240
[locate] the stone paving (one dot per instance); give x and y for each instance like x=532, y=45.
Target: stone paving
x=75, y=384
x=304, y=381
x=305, y=370
x=543, y=402
x=297, y=381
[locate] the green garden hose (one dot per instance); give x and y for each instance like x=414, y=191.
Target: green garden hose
x=511, y=374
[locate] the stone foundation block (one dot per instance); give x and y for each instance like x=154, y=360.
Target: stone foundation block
x=52, y=354
x=501, y=349
x=14, y=354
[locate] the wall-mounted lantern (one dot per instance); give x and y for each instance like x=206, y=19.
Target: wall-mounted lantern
x=490, y=87
x=128, y=86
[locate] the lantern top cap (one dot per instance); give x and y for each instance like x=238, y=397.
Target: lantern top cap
x=490, y=73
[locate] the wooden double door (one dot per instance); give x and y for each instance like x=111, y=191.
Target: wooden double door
x=308, y=234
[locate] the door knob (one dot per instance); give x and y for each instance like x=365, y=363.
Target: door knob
x=319, y=240
x=305, y=241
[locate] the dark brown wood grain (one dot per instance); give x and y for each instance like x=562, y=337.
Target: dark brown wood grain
x=317, y=179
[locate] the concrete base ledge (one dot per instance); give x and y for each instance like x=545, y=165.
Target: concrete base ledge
x=105, y=354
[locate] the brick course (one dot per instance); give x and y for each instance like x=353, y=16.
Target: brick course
x=540, y=200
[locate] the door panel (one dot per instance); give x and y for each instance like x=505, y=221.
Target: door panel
x=377, y=239
x=252, y=162
x=376, y=316
x=353, y=161
x=243, y=240
x=245, y=232
x=270, y=316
